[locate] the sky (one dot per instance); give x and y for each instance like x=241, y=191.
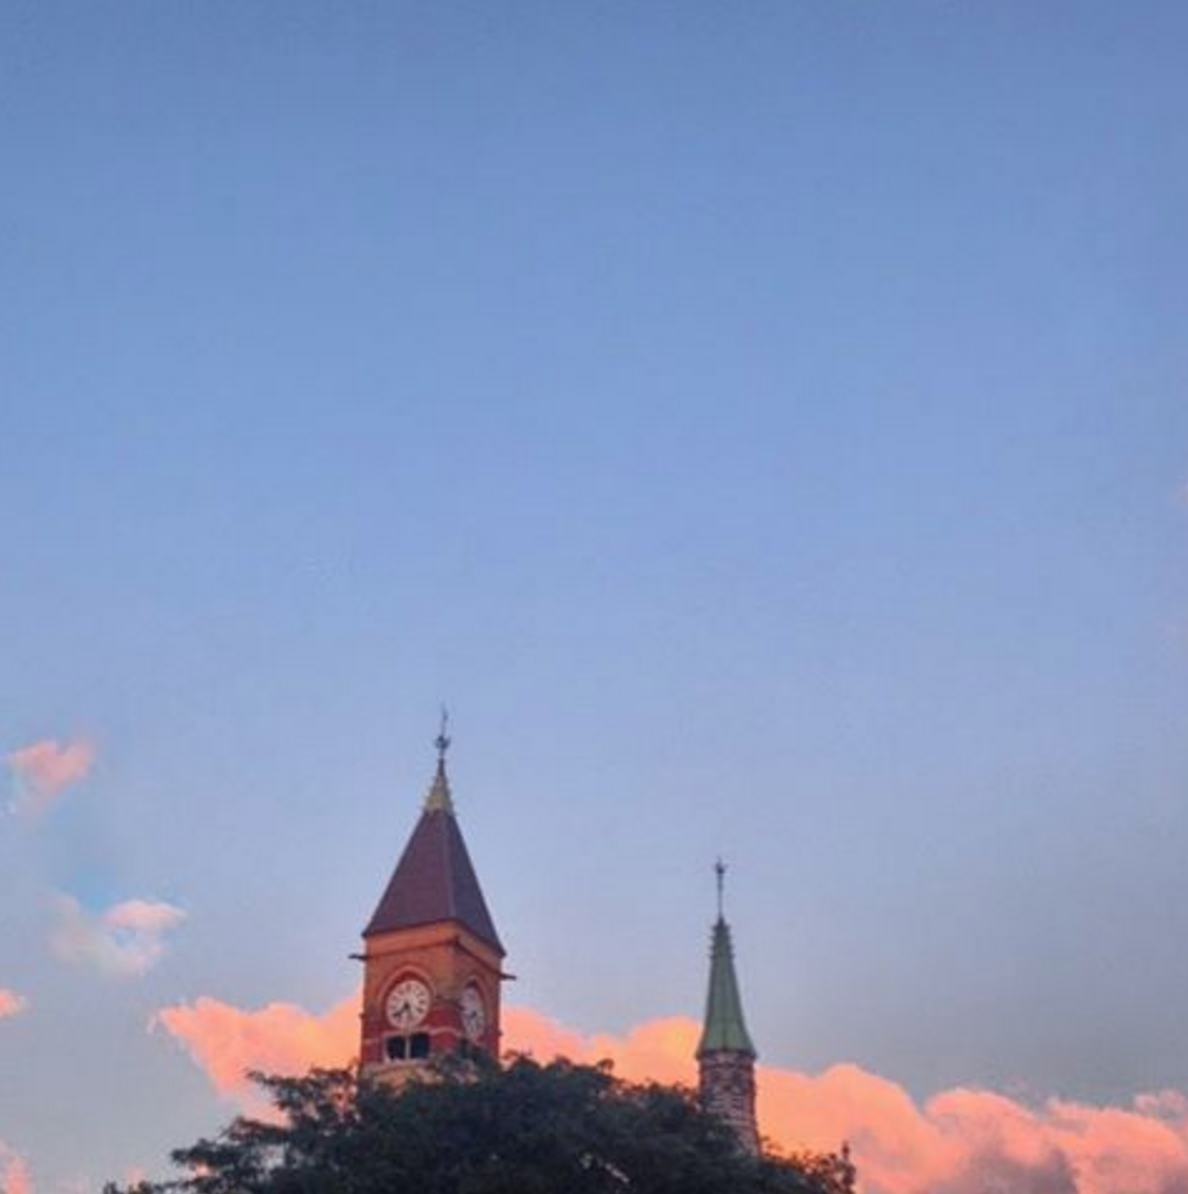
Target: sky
x=765, y=426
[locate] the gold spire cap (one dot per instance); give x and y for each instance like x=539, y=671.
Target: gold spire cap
x=439, y=799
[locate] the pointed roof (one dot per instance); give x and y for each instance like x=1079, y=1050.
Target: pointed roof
x=725, y=1028
x=434, y=879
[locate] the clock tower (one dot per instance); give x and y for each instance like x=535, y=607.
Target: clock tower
x=432, y=961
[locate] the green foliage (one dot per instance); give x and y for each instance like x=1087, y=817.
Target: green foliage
x=478, y=1128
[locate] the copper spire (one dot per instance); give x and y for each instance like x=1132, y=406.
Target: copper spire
x=724, y=1028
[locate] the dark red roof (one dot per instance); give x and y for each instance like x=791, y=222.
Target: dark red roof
x=434, y=881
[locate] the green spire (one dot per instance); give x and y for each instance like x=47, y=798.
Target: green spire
x=725, y=1028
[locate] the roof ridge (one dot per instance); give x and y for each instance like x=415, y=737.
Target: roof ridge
x=447, y=862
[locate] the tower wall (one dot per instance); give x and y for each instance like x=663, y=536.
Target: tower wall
x=727, y=1089
x=447, y=960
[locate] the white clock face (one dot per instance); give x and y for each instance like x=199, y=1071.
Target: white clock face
x=474, y=1015
x=408, y=1003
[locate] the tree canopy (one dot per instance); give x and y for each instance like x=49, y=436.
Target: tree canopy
x=479, y=1128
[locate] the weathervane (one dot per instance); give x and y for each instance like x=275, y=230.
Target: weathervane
x=720, y=871
x=442, y=741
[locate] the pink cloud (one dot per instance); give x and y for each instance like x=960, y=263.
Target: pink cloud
x=15, y=1177
x=125, y=941
x=143, y=916
x=961, y=1141
x=44, y=770
x=11, y=1004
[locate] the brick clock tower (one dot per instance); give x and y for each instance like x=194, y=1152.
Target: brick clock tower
x=432, y=961
x=725, y=1056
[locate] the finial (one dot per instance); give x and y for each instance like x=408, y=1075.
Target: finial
x=439, y=799
x=720, y=871
x=442, y=741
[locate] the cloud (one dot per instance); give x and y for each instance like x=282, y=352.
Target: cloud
x=44, y=770
x=11, y=1004
x=961, y=1141
x=125, y=941
x=280, y=1038
x=15, y=1177
x=660, y=1050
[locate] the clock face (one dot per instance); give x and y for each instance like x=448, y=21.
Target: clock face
x=474, y=1015
x=408, y=1003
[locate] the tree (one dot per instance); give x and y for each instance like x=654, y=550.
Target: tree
x=478, y=1128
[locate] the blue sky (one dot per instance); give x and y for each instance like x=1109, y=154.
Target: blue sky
x=764, y=424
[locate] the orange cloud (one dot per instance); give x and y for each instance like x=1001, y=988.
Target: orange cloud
x=965, y=1141
x=660, y=1050
x=961, y=1141
x=280, y=1038
x=11, y=1004
x=44, y=770
x=15, y=1177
